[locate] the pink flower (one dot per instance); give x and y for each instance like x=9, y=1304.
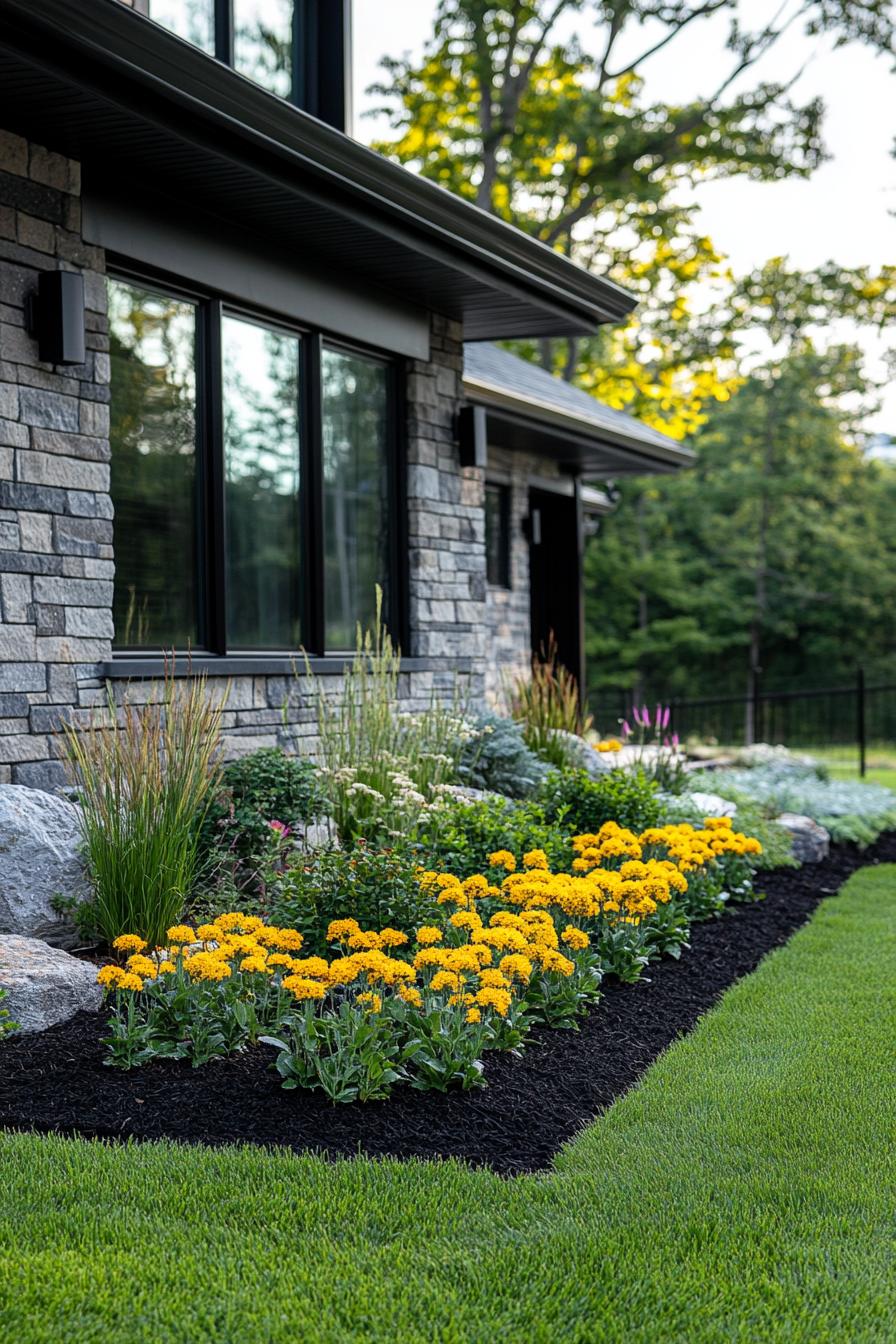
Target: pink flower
x=279, y=828
x=626, y=728
x=667, y=714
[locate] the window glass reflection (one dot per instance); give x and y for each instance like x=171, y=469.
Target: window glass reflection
x=262, y=43
x=153, y=467
x=356, y=485
x=261, y=454
x=193, y=20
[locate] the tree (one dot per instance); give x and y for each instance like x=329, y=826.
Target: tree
x=511, y=109
x=766, y=557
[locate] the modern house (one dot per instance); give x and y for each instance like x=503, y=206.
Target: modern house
x=235, y=392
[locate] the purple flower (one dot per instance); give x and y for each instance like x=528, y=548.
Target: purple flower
x=279, y=828
x=667, y=714
x=626, y=728
x=675, y=740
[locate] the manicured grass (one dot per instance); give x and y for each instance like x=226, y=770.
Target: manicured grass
x=843, y=762
x=743, y=1192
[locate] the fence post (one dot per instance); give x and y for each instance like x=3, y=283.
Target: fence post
x=757, y=709
x=860, y=717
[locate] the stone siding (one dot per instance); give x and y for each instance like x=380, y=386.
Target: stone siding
x=56, y=517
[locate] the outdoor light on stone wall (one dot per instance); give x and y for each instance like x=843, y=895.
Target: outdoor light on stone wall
x=55, y=317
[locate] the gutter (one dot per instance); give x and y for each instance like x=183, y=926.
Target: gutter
x=105, y=38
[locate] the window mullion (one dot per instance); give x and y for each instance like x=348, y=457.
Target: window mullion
x=212, y=405
x=312, y=474
x=224, y=31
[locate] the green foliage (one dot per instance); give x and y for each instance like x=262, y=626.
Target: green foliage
x=466, y=833
x=144, y=775
x=382, y=769
x=6, y=1023
x=547, y=705
x=377, y=887
x=582, y=803
x=350, y=1055
x=851, y=811
x=751, y=818
x=495, y=757
x=265, y=786
x=784, y=1248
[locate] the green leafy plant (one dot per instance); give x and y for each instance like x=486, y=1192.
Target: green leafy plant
x=235, y=837
x=352, y=1054
x=144, y=775
x=585, y=803
x=495, y=757
x=466, y=833
x=6, y=1023
x=378, y=887
x=382, y=769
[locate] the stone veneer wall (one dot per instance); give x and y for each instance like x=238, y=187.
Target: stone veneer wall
x=56, y=517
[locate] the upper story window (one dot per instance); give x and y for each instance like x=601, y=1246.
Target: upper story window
x=254, y=479
x=298, y=49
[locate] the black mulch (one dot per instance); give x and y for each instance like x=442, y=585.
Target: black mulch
x=56, y=1080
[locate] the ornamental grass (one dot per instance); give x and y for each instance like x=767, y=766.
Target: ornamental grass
x=518, y=946
x=144, y=774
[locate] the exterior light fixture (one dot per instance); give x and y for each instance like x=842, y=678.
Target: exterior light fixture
x=55, y=317
x=472, y=436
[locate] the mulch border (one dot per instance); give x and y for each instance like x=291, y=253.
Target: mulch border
x=56, y=1082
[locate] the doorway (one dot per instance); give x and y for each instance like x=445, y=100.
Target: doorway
x=555, y=577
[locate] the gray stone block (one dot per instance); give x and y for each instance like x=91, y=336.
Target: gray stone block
x=45, y=985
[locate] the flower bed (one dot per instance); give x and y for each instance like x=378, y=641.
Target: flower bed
x=520, y=947
x=534, y=1102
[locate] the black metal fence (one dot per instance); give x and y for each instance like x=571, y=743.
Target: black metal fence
x=827, y=716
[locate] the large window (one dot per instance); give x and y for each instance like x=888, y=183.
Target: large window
x=254, y=479
x=497, y=534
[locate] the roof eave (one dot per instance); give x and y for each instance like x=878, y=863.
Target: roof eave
x=207, y=98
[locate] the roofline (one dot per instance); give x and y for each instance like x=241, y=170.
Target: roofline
x=498, y=398
x=110, y=35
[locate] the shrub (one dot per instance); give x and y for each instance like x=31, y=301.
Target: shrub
x=584, y=803
x=265, y=786
x=547, y=704
x=463, y=834
x=144, y=777
x=377, y=887
x=382, y=769
x=496, y=757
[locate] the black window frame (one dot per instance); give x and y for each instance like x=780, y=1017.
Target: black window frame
x=504, y=580
x=211, y=522
x=320, y=75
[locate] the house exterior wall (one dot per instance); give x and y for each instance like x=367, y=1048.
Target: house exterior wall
x=57, y=525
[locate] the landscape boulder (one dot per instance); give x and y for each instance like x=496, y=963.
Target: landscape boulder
x=809, y=841
x=39, y=838
x=582, y=756
x=712, y=804
x=44, y=985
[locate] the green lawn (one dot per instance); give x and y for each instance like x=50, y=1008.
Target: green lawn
x=843, y=762
x=743, y=1192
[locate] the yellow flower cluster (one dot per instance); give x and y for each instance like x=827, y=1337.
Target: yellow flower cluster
x=213, y=952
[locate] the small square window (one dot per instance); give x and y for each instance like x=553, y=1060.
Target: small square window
x=497, y=534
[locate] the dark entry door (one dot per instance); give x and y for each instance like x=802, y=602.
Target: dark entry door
x=555, y=576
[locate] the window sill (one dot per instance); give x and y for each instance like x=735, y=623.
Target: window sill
x=137, y=667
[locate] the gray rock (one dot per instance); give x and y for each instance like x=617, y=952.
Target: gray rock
x=582, y=756
x=712, y=804
x=810, y=842
x=39, y=859
x=43, y=984
x=318, y=834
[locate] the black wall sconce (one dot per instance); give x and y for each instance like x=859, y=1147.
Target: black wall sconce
x=472, y=436
x=55, y=316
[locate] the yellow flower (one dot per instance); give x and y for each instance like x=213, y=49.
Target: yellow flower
x=208, y=933
x=206, y=966
x=110, y=976
x=473, y=1015
x=181, y=933
x=499, y=999
x=516, y=967
x=466, y=919
x=342, y=928
x=502, y=858
x=140, y=965
x=130, y=981
x=167, y=968
x=316, y=968
x=392, y=938
x=129, y=942
x=281, y=959
x=493, y=979
x=410, y=995
x=372, y=1002
x=304, y=989
x=232, y=920
x=536, y=858
x=285, y=940
x=257, y=965
x=364, y=941
x=428, y=934
x=576, y=939
x=444, y=980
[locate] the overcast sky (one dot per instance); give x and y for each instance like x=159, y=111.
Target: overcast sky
x=842, y=213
